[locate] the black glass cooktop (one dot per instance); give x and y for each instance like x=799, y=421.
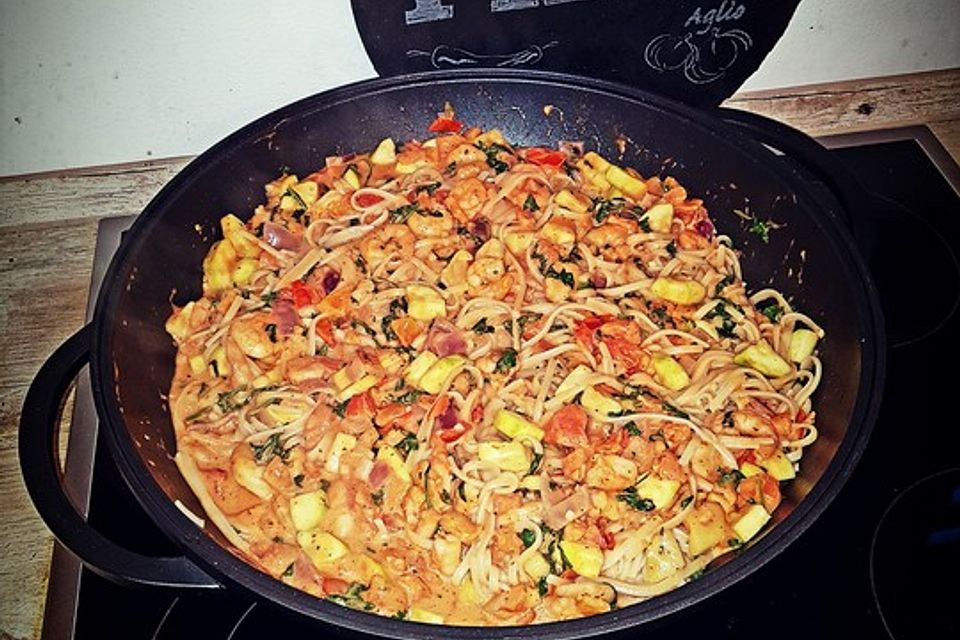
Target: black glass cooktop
x=882, y=561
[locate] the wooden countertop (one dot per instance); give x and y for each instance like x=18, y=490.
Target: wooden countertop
x=48, y=226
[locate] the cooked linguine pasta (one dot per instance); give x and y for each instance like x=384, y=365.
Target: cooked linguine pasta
x=469, y=383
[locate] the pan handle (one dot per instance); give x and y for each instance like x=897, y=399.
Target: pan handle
x=802, y=149
x=39, y=463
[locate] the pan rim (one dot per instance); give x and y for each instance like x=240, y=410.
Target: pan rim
x=211, y=557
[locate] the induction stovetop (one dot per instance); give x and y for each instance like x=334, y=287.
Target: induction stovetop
x=882, y=561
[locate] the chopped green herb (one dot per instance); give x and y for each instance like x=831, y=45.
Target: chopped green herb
x=734, y=543
x=400, y=615
x=377, y=497
x=696, y=575
x=672, y=248
x=772, y=311
x=340, y=408
x=429, y=187
x=301, y=205
x=527, y=537
x=530, y=204
x=450, y=168
x=672, y=410
x=361, y=264
x=542, y=587
x=445, y=496
x=604, y=207
x=196, y=415
x=724, y=283
x=388, y=331
x=352, y=598
x=727, y=328
x=410, y=396
x=508, y=326
x=632, y=428
x=644, y=225
x=732, y=477
x=482, y=327
x=686, y=501
x=658, y=435
x=507, y=361
x=629, y=496
x=298, y=479
x=563, y=276
x=232, y=400
x=270, y=447
x=407, y=444
x=288, y=571
x=271, y=330
x=492, y=152
x=527, y=318
x=401, y=214
x=535, y=463
x=269, y=297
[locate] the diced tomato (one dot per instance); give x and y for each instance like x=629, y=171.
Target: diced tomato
x=477, y=414
x=324, y=329
x=541, y=156
x=445, y=125
x=361, y=405
x=368, y=199
x=569, y=574
x=303, y=294
x=745, y=455
x=334, y=585
x=567, y=427
x=583, y=330
x=624, y=329
x=453, y=433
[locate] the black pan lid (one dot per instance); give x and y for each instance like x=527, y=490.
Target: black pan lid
x=696, y=51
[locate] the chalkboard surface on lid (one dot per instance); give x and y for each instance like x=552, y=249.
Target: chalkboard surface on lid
x=699, y=52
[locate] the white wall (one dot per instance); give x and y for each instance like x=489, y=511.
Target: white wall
x=97, y=82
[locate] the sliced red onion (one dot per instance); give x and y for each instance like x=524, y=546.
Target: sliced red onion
x=598, y=280
x=287, y=316
x=444, y=339
x=479, y=228
x=705, y=228
x=330, y=281
x=448, y=418
x=278, y=237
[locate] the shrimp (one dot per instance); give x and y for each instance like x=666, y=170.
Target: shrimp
x=466, y=154
x=466, y=199
x=251, y=336
x=430, y=226
x=392, y=240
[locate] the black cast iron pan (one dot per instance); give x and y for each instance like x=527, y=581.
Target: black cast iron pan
x=811, y=258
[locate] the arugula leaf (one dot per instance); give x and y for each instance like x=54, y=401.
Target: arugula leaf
x=401, y=214
x=535, y=463
x=530, y=204
x=772, y=310
x=269, y=448
x=492, y=151
x=527, y=537
x=603, y=208
x=482, y=327
x=232, y=400
x=563, y=276
x=407, y=444
x=732, y=477
x=507, y=361
x=353, y=597
x=629, y=496
x=429, y=187
x=340, y=408
x=632, y=428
